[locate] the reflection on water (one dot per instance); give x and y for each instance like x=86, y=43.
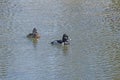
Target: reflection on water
x=116, y=5
x=5, y=41
x=65, y=48
x=34, y=41
x=113, y=15
x=110, y=56
x=109, y=62
x=115, y=59
x=93, y=26
x=5, y=53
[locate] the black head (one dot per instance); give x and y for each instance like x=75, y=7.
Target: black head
x=65, y=38
x=34, y=30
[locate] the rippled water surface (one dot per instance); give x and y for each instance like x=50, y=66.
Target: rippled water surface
x=94, y=29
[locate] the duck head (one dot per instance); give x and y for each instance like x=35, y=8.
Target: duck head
x=65, y=38
x=34, y=30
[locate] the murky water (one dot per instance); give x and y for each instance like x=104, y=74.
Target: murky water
x=94, y=29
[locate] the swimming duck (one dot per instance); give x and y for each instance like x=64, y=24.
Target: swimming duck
x=34, y=34
x=64, y=41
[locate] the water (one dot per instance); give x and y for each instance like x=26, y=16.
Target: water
x=93, y=26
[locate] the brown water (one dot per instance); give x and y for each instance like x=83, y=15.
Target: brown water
x=94, y=29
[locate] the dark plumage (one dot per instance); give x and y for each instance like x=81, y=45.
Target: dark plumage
x=64, y=41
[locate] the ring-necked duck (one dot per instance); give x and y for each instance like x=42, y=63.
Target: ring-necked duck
x=64, y=41
x=34, y=34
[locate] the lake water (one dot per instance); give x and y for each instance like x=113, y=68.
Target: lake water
x=94, y=29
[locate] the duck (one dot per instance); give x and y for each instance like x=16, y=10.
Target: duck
x=64, y=41
x=34, y=34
